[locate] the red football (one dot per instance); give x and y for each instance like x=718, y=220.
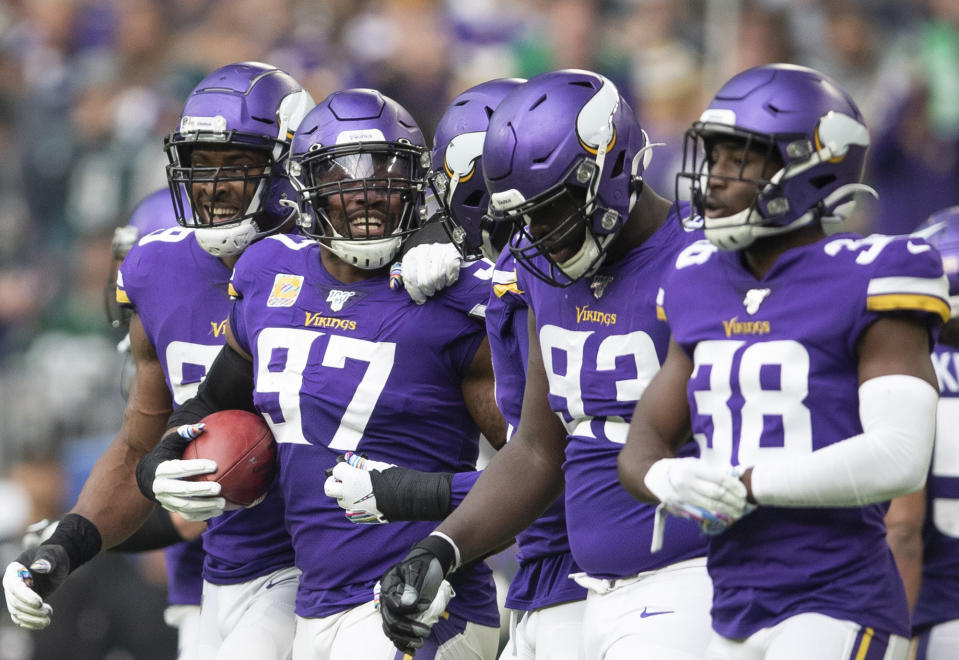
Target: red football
x=245, y=453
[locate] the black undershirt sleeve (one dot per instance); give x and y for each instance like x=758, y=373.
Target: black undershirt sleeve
x=157, y=532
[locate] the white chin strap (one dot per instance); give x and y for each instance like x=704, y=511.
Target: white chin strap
x=231, y=241
x=740, y=230
x=579, y=264
x=588, y=255
x=366, y=254
x=227, y=241
x=735, y=232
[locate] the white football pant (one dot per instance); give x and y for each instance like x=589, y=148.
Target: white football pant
x=550, y=633
x=811, y=635
x=186, y=620
x=358, y=633
x=252, y=620
x=656, y=615
x=943, y=641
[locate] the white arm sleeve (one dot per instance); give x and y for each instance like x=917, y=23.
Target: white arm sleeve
x=888, y=459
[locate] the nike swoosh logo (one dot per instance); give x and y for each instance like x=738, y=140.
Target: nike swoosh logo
x=644, y=613
x=917, y=249
x=274, y=582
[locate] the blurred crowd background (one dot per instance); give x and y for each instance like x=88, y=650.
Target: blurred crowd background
x=89, y=88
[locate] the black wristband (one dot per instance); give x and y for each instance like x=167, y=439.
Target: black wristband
x=79, y=537
x=440, y=548
x=169, y=448
x=157, y=532
x=404, y=494
x=432, y=231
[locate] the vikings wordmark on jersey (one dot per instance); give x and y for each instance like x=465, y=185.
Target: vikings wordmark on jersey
x=599, y=354
x=358, y=367
x=778, y=377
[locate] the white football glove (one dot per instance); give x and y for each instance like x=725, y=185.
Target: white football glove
x=712, y=496
x=26, y=607
x=428, y=268
x=349, y=483
x=193, y=500
x=690, y=481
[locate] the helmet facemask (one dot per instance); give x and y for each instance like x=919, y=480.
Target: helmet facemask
x=249, y=112
x=803, y=118
x=457, y=178
x=202, y=194
x=445, y=194
x=362, y=197
x=569, y=209
x=457, y=188
x=759, y=166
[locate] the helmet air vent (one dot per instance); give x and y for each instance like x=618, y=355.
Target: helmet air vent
x=822, y=181
x=542, y=159
x=537, y=102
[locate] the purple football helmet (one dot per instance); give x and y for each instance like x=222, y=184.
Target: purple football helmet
x=942, y=230
x=564, y=138
x=249, y=106
x=456, y=178
x=153, y=212
x=359, y=162
x=795, y=116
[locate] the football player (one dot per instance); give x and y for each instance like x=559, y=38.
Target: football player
x=563, y=160
x=184, y=560
x=547, y=606
x=228, y=185
x=336, y=362
x=153, y=212
x=800, y=363
x=550, y=604
x=935, y=586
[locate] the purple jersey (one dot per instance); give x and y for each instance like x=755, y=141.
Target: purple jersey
x=776, y=371
x=184, y=572
x=602, y=343
x=358, y=367
x=506, y=315
x=939, y=595
x=545, y=562
x=180, y=294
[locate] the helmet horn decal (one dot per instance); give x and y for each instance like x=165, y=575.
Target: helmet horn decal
x=461, y=155
x=594, y=123
x=836, y=132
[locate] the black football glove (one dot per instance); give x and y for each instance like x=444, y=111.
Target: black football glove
x=414, y=593
x=39, y=571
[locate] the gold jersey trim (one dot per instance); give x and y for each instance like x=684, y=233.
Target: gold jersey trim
x=908, y=301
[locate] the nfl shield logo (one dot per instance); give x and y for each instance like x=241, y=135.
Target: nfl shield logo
x=286, y=289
